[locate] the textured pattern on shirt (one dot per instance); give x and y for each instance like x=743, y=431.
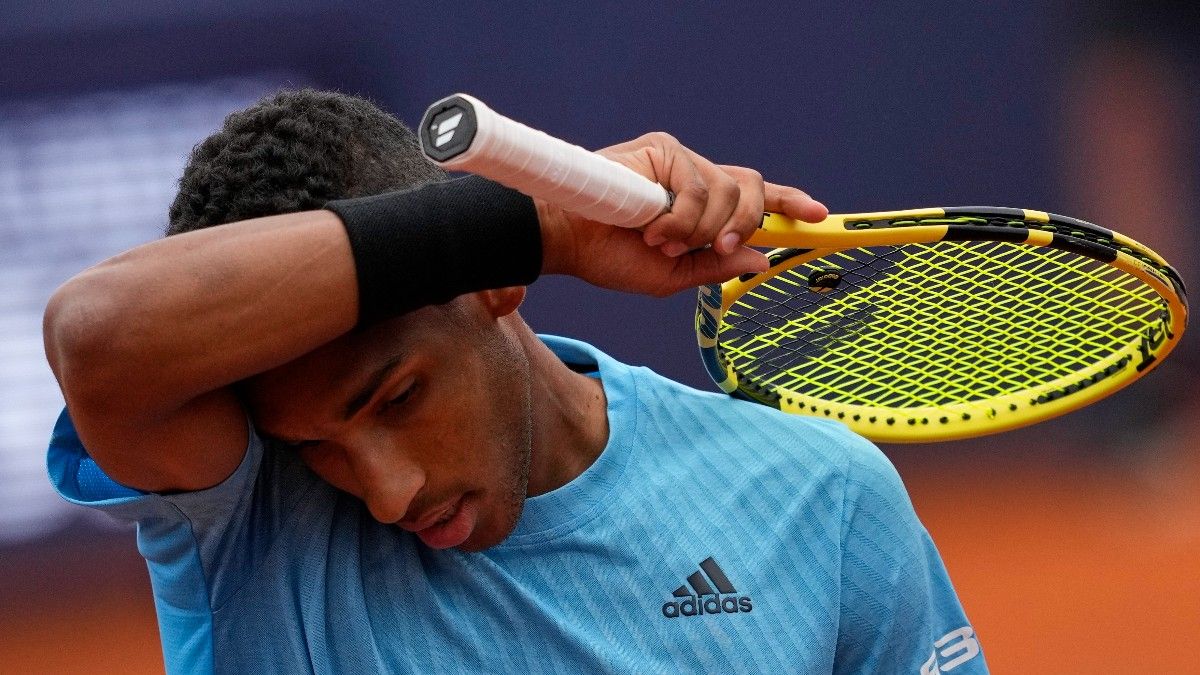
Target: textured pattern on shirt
x=710, y=535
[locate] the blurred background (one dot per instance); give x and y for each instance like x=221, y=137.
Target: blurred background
x=1075, y=545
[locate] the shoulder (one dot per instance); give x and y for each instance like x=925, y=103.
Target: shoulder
x=757, y=436
x=775, y=450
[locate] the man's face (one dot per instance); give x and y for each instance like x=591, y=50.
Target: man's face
x=425, y=418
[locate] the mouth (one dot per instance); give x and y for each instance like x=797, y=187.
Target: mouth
x=449, y=525
x=433, y=516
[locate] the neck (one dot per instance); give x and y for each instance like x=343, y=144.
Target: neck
x=570, y=419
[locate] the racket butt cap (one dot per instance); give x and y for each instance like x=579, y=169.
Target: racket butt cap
x=448, y=128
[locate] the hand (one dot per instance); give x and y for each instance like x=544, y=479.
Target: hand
x=698, y=242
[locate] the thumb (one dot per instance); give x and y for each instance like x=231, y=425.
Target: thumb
x=710, y=267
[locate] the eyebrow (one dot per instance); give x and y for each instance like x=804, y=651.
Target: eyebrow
x=367, y=391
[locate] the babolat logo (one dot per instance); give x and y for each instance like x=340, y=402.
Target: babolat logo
x=706, y=599
x=1152, y=339
x=444, y=126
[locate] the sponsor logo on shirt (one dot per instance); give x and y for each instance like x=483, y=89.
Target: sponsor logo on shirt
x=713, y=594
x=951, y=651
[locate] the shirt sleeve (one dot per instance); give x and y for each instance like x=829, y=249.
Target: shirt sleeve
x=899, y=611
x=206, y=542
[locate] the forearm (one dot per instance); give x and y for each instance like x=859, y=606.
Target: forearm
x=170, y=320
x=145, y=345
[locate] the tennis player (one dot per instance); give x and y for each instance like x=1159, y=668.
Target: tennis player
x=347, y=453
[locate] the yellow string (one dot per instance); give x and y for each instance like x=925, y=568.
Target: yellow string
x=935, y=324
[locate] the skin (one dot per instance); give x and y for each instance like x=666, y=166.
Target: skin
x=161, y=352
x=533, y=424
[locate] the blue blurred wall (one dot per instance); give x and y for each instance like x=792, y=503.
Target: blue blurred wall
x=866, y=105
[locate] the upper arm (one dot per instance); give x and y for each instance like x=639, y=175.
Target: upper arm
x=175, y=447
x=899, y=608
x=147, y=345
x=195, y=447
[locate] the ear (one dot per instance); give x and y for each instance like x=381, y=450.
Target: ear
x=502, y=301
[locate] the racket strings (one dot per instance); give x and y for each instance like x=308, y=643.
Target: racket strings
x=907, y=371
x=934, y=324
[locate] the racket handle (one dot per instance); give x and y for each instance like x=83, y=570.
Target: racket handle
x=461, y=133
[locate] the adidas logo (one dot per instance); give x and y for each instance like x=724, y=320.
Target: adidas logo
x=706, y=599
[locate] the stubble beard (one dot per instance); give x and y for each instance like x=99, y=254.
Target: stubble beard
x=521, y=458
x=517, y=461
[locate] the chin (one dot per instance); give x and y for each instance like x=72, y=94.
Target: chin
x=470, y=546
x=495, y=530
x=481, y=541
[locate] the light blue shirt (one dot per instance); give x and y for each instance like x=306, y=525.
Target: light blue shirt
x=711, y=535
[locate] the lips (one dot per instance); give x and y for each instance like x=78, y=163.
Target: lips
x=432, y=516
x=451, y=526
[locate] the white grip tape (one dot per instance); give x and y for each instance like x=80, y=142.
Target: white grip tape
x=559, y=172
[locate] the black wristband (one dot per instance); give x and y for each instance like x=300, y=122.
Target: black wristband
x=429, y=245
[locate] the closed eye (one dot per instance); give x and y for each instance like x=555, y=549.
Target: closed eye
x=400, y=399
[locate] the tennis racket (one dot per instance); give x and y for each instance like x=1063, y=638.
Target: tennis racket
x=908, y=326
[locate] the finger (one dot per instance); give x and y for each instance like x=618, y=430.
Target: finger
x=672, y=160
x=747, y=215
x=793, y=203
x=663, y=159
x=709, y=267
x=723, y=195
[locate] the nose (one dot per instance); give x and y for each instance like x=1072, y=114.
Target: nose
x=389, y=480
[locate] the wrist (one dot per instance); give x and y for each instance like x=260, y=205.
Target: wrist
x=430, y=244
x=557, y=244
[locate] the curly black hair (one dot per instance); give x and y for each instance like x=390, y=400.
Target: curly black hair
x=295, y=151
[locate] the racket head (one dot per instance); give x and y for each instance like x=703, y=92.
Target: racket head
x=940, y=324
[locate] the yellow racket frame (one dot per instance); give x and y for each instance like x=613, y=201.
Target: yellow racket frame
x=930, y=225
